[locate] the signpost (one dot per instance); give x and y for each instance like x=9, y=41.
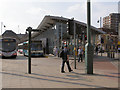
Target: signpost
x=29, y=29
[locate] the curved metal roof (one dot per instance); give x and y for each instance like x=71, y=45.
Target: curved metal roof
x=50, y=21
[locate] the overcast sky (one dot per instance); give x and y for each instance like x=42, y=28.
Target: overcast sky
x=17, y=15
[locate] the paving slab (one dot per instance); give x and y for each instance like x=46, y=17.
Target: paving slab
x=46, y=74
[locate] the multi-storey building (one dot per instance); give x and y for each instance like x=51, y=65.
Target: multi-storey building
x=112, y=21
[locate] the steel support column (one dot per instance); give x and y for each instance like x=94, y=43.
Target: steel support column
x=89, y=47
x=74, y=45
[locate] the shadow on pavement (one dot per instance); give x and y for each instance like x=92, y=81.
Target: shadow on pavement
x=95, y=74
x=77, y=77
x=106, y=75
x=58, y=81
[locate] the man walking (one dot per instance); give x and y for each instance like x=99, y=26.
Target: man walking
x=65, y=58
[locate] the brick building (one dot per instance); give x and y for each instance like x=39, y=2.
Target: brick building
x=112, y=21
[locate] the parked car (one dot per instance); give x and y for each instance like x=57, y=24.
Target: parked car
x=20, y=51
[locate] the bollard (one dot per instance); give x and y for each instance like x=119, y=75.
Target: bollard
x=113, y=54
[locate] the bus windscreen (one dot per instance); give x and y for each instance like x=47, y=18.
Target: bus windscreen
x=8, y=46
x=36, y=46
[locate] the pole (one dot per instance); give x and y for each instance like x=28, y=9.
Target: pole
x=74, y=45
x=119, y=32
x=100, y=22
x=107, y=45
x=77, y=42
x=83, y=38
x=101, y=49
x=88, y=21
x=89, y=47
x=1, y=27
x=29, y=62
x=119, y=41
x=61, y=35
x=113, y=51
x=29, y=29
x=29, y=51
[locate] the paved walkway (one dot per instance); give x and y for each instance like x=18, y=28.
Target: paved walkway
x=114, y=60
x=46, y=74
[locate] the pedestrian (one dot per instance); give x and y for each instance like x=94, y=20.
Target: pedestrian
x=118, y=48
x=65, y=59
x=55, y=51
x=96, y=50
x=58, y=52
x=80, y=54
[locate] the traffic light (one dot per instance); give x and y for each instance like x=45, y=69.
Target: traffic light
x=85, y=37
x=78, y=29
x=71, y=26
x=80, y=37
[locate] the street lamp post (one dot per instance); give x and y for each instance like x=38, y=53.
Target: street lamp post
x=89, y=47
x=100, y=22
x=29, y=29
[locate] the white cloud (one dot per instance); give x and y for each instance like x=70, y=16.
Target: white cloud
x=36, y=11
x=43, y=0
x=81, y=7
x=78, y=11
x=73, y=8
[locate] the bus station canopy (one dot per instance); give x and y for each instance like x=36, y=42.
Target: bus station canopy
x=50, y=21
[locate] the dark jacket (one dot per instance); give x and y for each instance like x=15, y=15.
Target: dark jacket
x=65, y=53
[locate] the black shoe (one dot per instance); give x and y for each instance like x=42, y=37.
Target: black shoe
x=62, y=71
x=70, y=70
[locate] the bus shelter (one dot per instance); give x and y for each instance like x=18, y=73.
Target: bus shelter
x=55, y=30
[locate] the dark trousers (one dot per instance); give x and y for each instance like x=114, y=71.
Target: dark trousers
x=80, y=58
x=118, y=51
x=63, y=64
x=97, y=52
